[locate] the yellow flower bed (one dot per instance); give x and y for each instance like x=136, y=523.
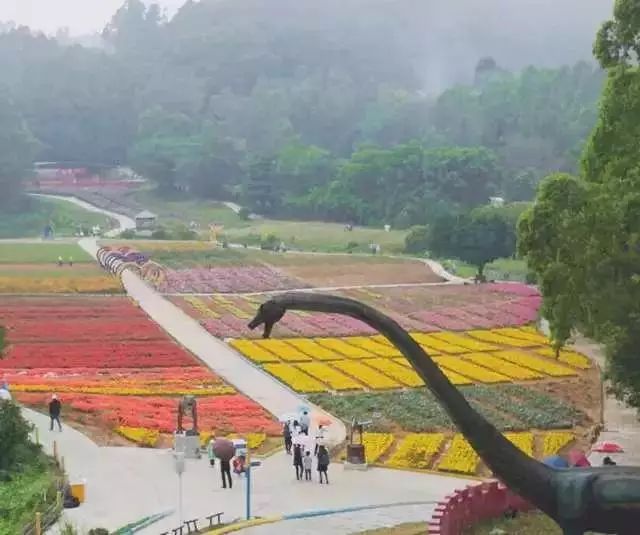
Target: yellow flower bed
x=381, y=339
x=366, y=375
x=454, y=377
x=495, y=338
x=464, y=341
x=157, y=390
x=201, y=307
x=140, y=435
x=471, y=370
x=416, y=450
x=283, y=350
x=329, y=375
x=434, y=345
x=460, y=457
x=340, y=346
x=294, y=378
x=503, y=366
x=535, y=363
x=376, y=348
x=376, y=445
x=568, y=357
x=85, y=285
x=253, y=351
x=230, y=307
x=554, y=441
x=400, y=373
x=524, y=441
x=313, y=349
x=523, y=334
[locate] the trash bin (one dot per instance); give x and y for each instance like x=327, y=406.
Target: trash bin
x=79, y=490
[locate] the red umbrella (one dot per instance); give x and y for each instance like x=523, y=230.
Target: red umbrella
x=578, y=458
x=608, y=447
x=224, y=449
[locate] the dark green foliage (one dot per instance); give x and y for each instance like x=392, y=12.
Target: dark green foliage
x=14, y=436
x=417, y=240
x=3, y=340
x=508, y=407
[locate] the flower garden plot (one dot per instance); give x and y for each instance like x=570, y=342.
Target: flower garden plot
x=226, y=280
x=411, y=430
x=418, y=309
x=114, y=369
x=374, y=364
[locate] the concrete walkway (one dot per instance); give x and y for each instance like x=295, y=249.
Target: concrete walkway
x=127, y=484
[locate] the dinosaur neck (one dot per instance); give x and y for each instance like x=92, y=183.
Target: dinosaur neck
x=524, y=475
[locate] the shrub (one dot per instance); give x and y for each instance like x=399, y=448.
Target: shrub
x=160, y=234
x=270, y=242
x=184, y=233
x=417, y=240
x=14, y=436
x=244, y=213
x=128, y=234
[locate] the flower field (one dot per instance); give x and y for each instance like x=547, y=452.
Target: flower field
x=419, y=309
x=451, y=452
x=372, y=363
x=226, y=280
x=112, y=366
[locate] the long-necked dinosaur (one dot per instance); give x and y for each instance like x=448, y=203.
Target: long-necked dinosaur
x=603, y=499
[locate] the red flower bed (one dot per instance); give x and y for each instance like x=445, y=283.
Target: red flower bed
x=97, y=355
x=232, y=413
x=105, y=357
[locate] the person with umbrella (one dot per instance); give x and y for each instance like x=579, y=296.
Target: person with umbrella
x=305, y=422
x=224, y=450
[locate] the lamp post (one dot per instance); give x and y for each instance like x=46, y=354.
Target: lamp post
x=250, y=464
x=180, y=467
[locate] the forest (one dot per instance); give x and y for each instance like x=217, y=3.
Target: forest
x=293, y=111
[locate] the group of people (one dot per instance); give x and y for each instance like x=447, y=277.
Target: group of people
x=301, y=450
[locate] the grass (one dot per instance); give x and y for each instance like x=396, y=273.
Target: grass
x=500, y=269
x=41, y=253
x=30, y=218
x=524, y=524
x=22, y=496
x=413, y=528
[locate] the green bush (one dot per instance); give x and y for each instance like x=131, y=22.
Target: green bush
x=14, y=436
x=416, y=240
x=184, y=233
x=160, y=234
x=244, y=214
x=270, y=242
x=128, y=234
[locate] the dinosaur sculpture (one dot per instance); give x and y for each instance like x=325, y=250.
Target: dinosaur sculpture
x=603, y=499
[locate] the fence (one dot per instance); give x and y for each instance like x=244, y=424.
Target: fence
x=472, y=505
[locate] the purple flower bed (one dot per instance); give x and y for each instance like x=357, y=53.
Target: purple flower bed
x=227, y=280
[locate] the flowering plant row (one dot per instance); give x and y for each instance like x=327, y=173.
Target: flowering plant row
x=36, y=284
x=226, y=280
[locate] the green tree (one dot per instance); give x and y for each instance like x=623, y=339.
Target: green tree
x=16, y=152
x=14, y=436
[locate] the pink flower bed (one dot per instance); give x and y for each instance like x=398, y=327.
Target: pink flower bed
x=227, y=280
x=419, y=309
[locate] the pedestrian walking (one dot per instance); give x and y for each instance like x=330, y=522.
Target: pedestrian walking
x=323, y=463
x=60, y=261
x=307, y=462
x=297, y=461
x=225, y=472
x=210, y=453
x=55, y=407
x=305, y=422
x=71, y=261
x=286, y=433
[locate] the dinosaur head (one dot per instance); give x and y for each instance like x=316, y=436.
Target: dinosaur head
x=268, y=314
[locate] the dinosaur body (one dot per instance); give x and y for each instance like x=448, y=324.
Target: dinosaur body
x=604, y=499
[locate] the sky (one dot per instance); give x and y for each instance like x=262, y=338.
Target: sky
x=80, y=16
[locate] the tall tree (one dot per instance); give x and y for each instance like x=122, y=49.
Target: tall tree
x=17, y=149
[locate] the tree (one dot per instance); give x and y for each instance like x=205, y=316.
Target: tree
x=582, y=235
x=17, y=148
x=478, y=237
x=14, y=436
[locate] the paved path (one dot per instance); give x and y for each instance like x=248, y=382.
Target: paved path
x=126, y=484
x=124, y=222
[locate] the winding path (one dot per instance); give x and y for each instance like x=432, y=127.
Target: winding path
x=125, y=484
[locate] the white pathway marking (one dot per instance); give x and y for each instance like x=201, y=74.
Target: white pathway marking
x=124, y=222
